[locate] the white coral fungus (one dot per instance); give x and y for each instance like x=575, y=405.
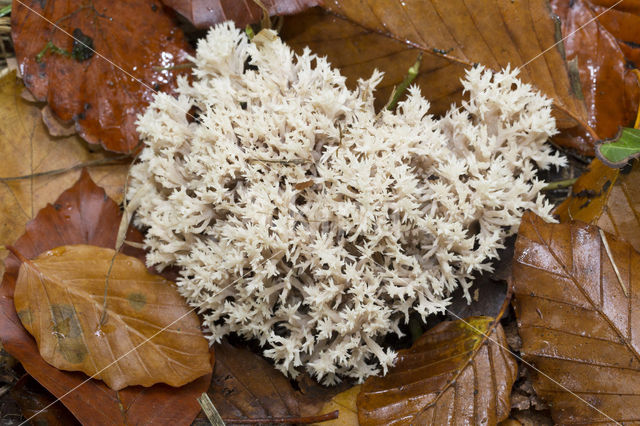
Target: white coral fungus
x=300, y=217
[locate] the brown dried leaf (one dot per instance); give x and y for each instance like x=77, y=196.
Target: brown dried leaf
x=609, y=86
x=451, y=375
x=453, y=35
x=85, y=215
x=138, y=35
x=608, y=198
x=150, y=336
x=577, y=306
x=26, y=148
x=205, y=13
x=245, y=386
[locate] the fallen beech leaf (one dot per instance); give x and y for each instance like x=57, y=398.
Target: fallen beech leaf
x=245, y=386
x=576, y=302
x=138, y=35
x=85, y=215
x=345, y=403
x=26, y=148
x=39, y=405
x=205, y=13
x=150, y=335
x=451, y=375
x=608, y=84
x=388, y=35
x=618, y=151
x=608, y=198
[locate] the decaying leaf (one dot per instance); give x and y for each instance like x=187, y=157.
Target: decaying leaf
x=205, y=13
x=621, y=149
x=245, y=386
x=451, y=375
x=39, y=405
x=360, y=36
x=78, y=84
x=608, y=198
x=150, y=335
x=26, y=148
x=598, y=66
x=576, y=302
x=85, y=215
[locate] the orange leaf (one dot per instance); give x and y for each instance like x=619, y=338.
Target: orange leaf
x=103, y=100
x=576, y=301
x=451, y=375
x=452, y=35
x=608, y=198
x=85, y=215
x=150, y=335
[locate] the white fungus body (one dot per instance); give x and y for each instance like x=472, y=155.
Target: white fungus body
x=300, y=217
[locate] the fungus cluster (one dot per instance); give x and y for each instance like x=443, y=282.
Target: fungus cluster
x=301, y=217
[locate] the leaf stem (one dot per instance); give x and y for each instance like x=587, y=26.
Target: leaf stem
x=411, y=75
x=94, y=163
x=559, y=184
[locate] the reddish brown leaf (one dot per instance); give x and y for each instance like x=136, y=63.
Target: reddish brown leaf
x=245, y=386
x=59, y=298
x=453, y=35
x=608, y=198
x=85, y=215
x=137, y=35
x=451, y=375
x=609, y=87
x=205, y=13
x=576, y=299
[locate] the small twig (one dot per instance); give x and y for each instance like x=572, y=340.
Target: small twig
x=210, y=410
x=287, y=420
x=175, y=67
x=265, y=160
x=94, y=163
x=559, y=184
x=411, y=75
x=605, y=243
x=265, y=22
x=122, y=231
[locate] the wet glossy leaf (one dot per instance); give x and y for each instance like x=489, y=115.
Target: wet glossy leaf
x=205, y=13
x=618, y=151
x=26, y=148
x=609, y=87
x=452, y=35
x=139, y=35
x=577, y=307
x=85, y=215
x=150, y=334
x=608, y=198
x=451, y=375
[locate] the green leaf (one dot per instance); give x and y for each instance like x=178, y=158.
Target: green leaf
x=617, y=152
